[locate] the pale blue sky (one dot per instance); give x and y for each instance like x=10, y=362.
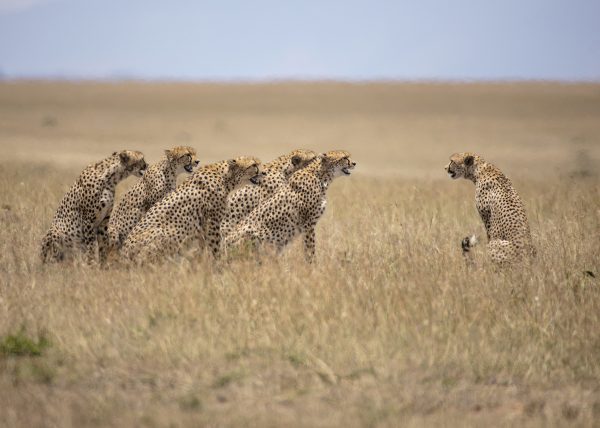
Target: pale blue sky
x=271, y=39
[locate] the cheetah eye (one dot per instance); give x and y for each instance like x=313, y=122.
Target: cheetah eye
x=187, y=158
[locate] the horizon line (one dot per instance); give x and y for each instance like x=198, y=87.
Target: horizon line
x=284, y=80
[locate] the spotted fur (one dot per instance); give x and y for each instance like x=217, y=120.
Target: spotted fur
x=193, y=211
x=157, y=182
x=294, y=209
x=241, y=202
x=84, y=210
x=500, y=208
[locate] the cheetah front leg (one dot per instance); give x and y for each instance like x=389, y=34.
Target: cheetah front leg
x=213, y=236
x=103, y=240
x=89, y=244
x=309, y=243
x=101, y=237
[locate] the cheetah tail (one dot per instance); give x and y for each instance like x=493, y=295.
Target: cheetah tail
x=468, y=242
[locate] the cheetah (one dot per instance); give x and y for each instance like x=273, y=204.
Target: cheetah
x=84, y=210
x=241, y=202
x=295, y=208
x=159, y=180
x=500, y=208
x=193, y=211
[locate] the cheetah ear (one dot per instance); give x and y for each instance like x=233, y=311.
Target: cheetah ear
x=231, y=163
x=469, y=160
x=169, y=154
x=124, y=157
x=296, y=159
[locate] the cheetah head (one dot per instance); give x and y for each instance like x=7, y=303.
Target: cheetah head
x=183, y=157
x=461, y=165
x=244, y=170
x=132, y=161
x=298, y=159
x=338, y=162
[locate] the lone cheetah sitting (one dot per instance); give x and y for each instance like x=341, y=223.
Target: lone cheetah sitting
x=241, y=202
x=295, y=208
x=193, y=211
x=157, y=182
x=499, y=206
x=84, y=210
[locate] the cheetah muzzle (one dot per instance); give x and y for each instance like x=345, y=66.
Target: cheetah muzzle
x=451, y=173
x=348, y=169
x=256, y=180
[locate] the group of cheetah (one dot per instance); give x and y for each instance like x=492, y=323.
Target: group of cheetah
x=225, y=206
x=240, y=205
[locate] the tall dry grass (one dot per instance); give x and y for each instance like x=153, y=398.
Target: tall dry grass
x=389, y=327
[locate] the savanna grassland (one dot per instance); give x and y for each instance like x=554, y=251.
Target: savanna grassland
x=388, y=328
